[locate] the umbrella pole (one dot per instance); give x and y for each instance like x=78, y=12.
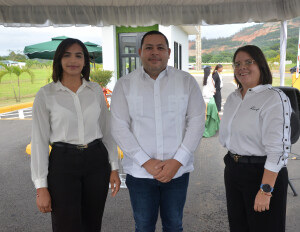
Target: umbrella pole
x=94, y=60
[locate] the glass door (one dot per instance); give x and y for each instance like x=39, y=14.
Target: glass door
x=129, y=44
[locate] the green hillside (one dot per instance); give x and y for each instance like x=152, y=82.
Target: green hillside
x=266, y=36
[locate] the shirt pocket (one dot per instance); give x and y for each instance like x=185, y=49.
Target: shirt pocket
x=177, y=105
x=135, y=105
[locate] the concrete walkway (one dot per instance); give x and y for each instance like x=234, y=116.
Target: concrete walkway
x=205, y=209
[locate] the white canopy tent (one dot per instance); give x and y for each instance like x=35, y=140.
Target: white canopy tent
x=144, y=12
x=22, y=13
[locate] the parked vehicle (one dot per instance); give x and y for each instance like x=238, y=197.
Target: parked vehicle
x=191, y=66
x=293, y=69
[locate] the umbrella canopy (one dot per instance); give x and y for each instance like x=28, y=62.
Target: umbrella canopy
x=47, y=50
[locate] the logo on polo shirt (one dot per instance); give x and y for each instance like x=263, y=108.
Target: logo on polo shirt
x=254, y=108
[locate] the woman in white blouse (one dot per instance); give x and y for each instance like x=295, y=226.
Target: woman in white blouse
x=209, y=89
x=71, y=114
x=255, y=129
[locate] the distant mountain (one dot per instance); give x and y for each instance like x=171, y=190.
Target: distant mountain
x=265, y=35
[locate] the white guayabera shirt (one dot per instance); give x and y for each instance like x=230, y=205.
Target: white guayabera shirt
x=160, y=119
x=60, y=115
x=258, y=125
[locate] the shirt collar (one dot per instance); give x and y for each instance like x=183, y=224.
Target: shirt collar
x=59, y=86
x=260, y=88
x=161, y=75
x=256, y=89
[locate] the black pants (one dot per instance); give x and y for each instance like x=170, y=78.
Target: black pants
x=242, y=182
x=218, y=100
x=78, y=184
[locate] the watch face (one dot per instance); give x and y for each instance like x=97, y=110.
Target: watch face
x=266, y=188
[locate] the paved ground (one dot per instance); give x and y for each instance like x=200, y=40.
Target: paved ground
x=205, y=209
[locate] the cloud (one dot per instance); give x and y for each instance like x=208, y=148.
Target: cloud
x=17, y=38
x=221, y=31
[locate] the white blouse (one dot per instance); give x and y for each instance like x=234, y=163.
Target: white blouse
x=209, y=89
x=258, y=125
x=60, y=115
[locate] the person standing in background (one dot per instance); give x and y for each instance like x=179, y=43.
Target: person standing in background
x=209, y=89
x=216, y=75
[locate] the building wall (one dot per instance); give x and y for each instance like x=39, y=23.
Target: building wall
x=109, y=53
x=176, y=34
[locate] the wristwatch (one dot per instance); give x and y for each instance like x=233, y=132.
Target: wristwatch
x=266, y=188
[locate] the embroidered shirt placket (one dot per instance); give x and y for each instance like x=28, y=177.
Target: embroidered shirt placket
x=79, y=115
x=158, y=118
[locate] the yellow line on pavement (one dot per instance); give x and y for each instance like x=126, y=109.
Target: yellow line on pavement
x=15, y=107
x=15, y=119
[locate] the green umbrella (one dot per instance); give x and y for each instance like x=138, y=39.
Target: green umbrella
x=95, y=52
x=47, y=50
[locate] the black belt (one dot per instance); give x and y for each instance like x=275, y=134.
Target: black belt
x=76, y=146
x=247, y=159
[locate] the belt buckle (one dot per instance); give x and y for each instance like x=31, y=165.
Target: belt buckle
x=81, y=147
x=236, y=158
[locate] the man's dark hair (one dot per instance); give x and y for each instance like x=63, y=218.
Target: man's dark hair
x=260, y=59
x=154, y=33
x=60, y=51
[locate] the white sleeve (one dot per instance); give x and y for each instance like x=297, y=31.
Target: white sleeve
x=105, y=126
x=276, y=133
x=121, y=127
x=195, y=125
x=40, y=140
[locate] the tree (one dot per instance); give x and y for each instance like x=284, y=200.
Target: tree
x=17, y=71
x=16, y=56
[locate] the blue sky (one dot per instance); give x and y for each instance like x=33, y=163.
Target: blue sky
x=16, y=39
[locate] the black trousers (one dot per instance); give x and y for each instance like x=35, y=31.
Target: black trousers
x=218, y=99
x=78, y=183
x=242, y=182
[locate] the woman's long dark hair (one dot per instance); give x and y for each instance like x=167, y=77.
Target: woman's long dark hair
x=60, y=51
x=206, y=75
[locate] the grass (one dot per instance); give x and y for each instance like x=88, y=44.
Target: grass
x=28, y=90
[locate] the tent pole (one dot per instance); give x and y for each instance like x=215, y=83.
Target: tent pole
x=283, y=42
x=298, y=57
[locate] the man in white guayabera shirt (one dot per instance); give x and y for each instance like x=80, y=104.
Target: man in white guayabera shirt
x=158, y=119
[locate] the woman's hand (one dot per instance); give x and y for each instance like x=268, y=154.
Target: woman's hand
x=43, y=200
x=262, y=201
x=114, y=182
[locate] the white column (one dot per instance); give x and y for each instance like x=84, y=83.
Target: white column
x=109, y=53
x=198, y=49
x=283, y=41
x=298, y=57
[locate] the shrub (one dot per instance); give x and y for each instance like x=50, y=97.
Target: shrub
x=102, y=77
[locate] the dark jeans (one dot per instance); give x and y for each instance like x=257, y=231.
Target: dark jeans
x=242, y=182
x=78, y=185
x=148, y=195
